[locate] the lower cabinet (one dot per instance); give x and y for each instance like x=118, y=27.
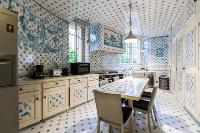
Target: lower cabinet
x=55, y=100
x=29, y=108
x=41, y=100
x=91, y=86
x=78, y=93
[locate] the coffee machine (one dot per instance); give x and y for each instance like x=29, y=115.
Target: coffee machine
x=39, y=72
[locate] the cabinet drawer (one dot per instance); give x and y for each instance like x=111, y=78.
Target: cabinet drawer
x=78, y=80
x=91, y=78
x=56, y=84
x=93, y=83
x=28, y=88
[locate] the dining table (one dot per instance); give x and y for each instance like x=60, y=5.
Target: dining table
x=129, y=88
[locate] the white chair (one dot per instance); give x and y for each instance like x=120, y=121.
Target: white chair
x=146, y=107
x=115, y=78
x=146, y=95
x=103, y=82
x=110, y=111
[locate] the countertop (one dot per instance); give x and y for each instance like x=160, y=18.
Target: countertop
x=25, y=80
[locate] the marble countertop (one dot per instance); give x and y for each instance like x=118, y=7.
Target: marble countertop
x=23, y=81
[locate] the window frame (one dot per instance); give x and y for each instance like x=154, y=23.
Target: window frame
x=78, y=37
x=132, y=51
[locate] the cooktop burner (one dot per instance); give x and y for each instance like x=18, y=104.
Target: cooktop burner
x=106, y=72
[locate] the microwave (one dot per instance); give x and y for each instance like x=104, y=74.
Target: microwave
x=80, y=68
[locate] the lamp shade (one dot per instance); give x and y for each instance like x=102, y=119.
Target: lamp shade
x=130, y=37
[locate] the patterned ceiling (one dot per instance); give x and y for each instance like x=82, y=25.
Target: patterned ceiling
x=150, y=17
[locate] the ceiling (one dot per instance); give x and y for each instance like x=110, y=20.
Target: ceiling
x=150, y=18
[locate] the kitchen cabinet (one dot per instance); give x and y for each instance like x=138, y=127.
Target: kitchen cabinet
x=40, y=99
x=29, y=104
x=93, y=83
x=55, y=97
x=78, y=91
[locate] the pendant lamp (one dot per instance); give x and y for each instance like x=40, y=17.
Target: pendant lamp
x=130, y=37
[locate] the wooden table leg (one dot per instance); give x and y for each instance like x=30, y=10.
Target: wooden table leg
x=130, y=103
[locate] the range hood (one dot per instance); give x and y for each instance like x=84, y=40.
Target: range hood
x=103, y=38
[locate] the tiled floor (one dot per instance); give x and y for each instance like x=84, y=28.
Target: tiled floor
x=172, y=119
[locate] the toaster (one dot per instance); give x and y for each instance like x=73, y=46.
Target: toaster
x=56, y=72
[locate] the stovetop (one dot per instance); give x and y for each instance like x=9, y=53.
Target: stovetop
x=107, y=72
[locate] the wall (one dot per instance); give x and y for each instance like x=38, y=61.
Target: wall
x=42, y=37
x=156, y=54
x=104, y=60
x=103, y=57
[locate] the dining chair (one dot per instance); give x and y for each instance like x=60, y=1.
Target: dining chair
x=146, y=107
x=109, y=110
x=115, y=78
x=146, y=95
x=103, y=82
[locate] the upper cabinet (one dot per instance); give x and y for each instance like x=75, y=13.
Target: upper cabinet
x=104, y=38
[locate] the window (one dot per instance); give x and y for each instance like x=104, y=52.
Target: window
x=132, y=53
x=75, y=43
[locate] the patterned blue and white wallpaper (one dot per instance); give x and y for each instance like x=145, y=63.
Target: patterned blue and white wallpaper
x=155, y=58
x=42, y=37
x=104, y=61
x=156, y=54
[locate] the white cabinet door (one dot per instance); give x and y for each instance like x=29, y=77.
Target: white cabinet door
x=179, y=70
x=173, y=70
x=191, y=69
x=54, y=101
x=78, y=93
x=29, y=108
x=91, y=86
x=198, y=75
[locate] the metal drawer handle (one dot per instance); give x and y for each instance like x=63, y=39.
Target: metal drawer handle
x=4, y=61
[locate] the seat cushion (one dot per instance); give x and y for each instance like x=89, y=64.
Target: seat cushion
x=141, y=104
x=146, y=94
x=126, y=113
x=124, y=102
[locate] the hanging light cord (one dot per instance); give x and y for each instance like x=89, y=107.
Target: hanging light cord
x=130, y=5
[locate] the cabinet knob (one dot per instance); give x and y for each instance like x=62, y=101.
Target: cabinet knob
x=37, y=98
x=56, y=83
x=45, y=97
x=20, y=89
